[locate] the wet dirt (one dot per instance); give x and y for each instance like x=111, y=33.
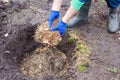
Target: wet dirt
x=17, y=27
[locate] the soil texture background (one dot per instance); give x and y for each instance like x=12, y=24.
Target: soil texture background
x=18, y=20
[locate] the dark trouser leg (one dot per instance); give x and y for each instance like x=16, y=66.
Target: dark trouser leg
x=113, y=23
x=81, y=16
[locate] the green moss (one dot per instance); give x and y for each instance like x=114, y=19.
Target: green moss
x=82, y=48
x=81, y=68
x=112, y=69
x=72, y=36
x=61, y=73
x=71, y=39
x=75, y=56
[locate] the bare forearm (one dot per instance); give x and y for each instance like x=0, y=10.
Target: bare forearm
x=57, y=5
x=69, y=14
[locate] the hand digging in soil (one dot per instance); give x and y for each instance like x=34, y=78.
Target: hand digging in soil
x=43, y=34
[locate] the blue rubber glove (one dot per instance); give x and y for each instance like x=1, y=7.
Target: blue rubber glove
x=60, y=26
x=53, y=15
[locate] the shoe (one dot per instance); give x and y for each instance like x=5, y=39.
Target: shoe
x=113, y=23
x=81, y=16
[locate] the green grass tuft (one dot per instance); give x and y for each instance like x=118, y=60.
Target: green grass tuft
x=82, y=48
x=71, y=39
x=81, y=68
x=112, y=69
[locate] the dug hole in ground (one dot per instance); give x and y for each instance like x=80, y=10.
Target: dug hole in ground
x=52, y=62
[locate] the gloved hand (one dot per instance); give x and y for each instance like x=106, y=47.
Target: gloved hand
x=60, y=26
x=53, y=15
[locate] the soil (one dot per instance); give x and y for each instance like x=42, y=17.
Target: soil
x=17, y=27
x=43, y=63
x=44, y=35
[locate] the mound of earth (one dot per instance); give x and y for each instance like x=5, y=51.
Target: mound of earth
x=50, y=63
x=44, y=61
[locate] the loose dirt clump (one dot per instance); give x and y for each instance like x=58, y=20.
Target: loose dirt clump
x=44, y=61
x=43, y=34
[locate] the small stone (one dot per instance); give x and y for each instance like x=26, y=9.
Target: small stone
x=118, y=31
x=5, y=1
x=119, y=38
x=40, y=66
x=6, y=35
x=7, y=52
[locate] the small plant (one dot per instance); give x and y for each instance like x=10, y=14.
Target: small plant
x=81, y=68
x=72, y=36
x=112, y=69
x=102, y=1
x=75, y=56
x=81, y=47
x=61, y=73
x=71, y=39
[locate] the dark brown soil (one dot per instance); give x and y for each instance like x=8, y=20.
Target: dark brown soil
x=15, y=42
x=17, y=27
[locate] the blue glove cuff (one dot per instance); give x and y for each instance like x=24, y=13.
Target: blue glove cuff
x=62, y=22
x=55, y=12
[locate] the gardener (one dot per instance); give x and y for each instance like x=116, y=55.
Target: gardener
x=78, y=13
